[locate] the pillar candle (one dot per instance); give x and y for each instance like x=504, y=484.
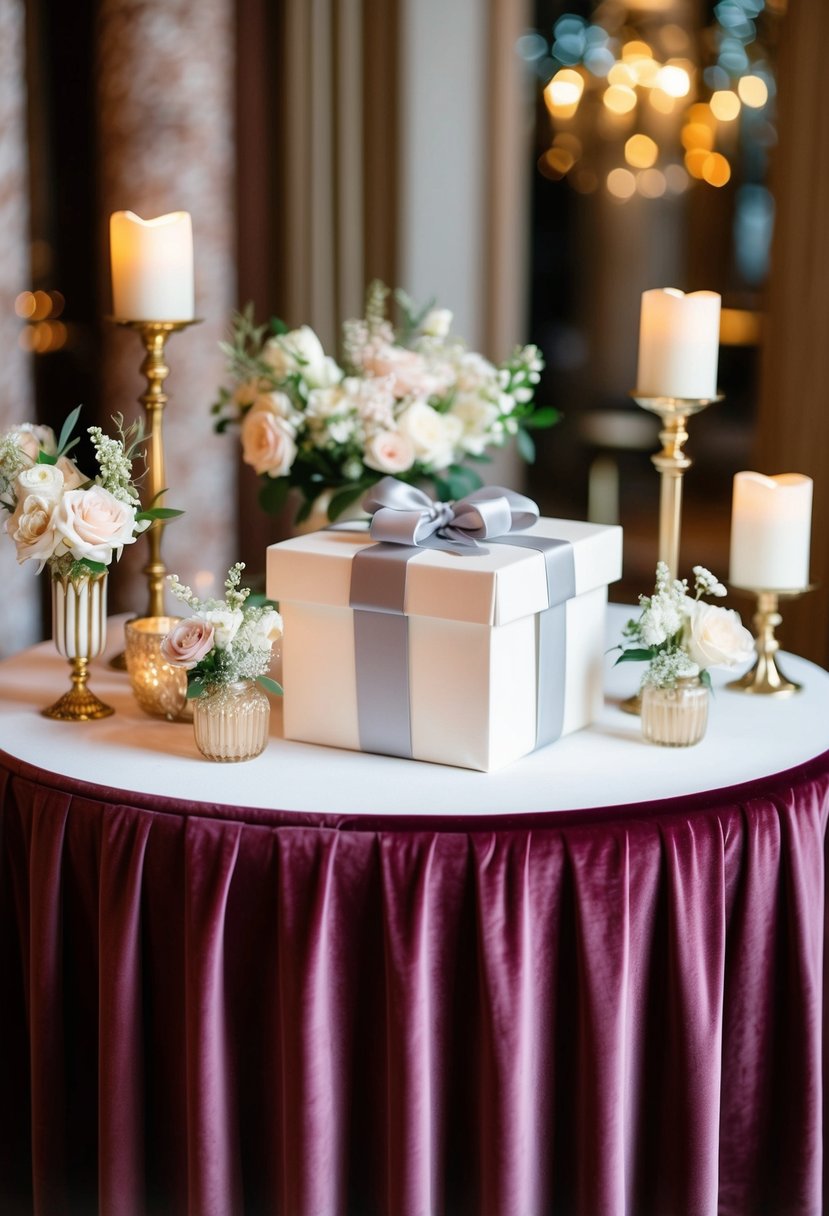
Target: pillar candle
x=679, y=341
x=771, y=521
x=152, y=267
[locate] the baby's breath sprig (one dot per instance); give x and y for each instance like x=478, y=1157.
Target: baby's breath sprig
x=235, y=598
x=184, y=593
x=114, y=457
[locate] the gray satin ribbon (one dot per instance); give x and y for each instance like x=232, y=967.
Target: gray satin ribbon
x=378, y=594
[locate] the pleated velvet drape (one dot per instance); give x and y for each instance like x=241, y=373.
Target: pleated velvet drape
x=212, y=1010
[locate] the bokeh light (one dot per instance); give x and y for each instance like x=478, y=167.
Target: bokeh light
x=641, y=151
x=715, y=169
x=619, y=99
x=674, y=80
x=725, y=105
x=621, y=183
x=753, y=91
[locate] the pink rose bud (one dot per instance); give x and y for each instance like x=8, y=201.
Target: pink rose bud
x=188, y=642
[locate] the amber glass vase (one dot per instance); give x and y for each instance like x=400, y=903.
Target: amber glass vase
x=231, y=721
x=675, y=717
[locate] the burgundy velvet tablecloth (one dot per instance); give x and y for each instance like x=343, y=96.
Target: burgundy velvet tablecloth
x=212, y=1011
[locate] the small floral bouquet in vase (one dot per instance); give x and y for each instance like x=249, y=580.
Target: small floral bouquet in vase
x=680, y=637
x=412, y=402
x=225, y=647
x=75, y=525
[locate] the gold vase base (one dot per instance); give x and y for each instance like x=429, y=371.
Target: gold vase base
x=765, y=679
x=118, y=662
x=78, y=705
x=632, y=705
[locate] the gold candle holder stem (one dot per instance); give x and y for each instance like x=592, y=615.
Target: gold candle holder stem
x=765, y=678
x=671, y=464
x=154, y=369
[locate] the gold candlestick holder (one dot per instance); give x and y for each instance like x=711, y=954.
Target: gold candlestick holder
x=154, y=335
x=671, y=463
x=765, y=679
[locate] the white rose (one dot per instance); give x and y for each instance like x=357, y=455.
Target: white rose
x=225, y=624
x=269, y=626
x=476, y=416
x=432, y=435
x=93, y=523
x=31, y=438
x=389, y=452
x=437, y=322
x=301, y=351
x=716, y=637
x=33, y=531
x=280, y=405
x=267, y=442
x=45, y=480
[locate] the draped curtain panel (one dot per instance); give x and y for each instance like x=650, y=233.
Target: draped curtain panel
x=220, y=1011
x=20, y=614
x=793, y=431
x=166, y=131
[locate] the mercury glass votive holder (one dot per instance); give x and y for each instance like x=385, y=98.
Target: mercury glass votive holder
x=159, y=687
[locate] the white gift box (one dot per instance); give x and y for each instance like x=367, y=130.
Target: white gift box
x=472, y=648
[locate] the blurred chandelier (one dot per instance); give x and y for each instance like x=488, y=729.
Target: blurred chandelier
x=645, y=101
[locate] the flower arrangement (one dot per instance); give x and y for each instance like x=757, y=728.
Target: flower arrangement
x=60, y=517
x=680, y=636
x=411, y=402
x=224, y=641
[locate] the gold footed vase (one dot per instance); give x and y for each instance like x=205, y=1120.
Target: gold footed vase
x=79, y=623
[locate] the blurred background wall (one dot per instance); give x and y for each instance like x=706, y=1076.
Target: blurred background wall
x=322, y=143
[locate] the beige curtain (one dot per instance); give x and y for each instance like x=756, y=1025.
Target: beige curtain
x=793, y=431
x=165, y=107
x=19, y=605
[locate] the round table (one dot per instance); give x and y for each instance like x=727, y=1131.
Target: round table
x=323, y=982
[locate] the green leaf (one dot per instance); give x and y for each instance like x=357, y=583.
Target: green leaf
x=462, y=481
x=344, y=498
x=541, y=418
x=305, y=510
x=705, y=679
x=67, y=429
x=45, y=458
x=273, y=494
x=195, y=685
x=277, y=326
x=480, y=458
x=221, y=426
x=159, y=513
x=91, y=566
x=526, y=445
x=635, y=655
x=270, y=685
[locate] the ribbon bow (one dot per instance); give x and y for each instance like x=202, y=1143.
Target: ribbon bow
x=403, y=515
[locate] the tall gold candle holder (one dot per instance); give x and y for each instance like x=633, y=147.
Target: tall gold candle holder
x=671, y=463
x=765, y=679
x=154, y=335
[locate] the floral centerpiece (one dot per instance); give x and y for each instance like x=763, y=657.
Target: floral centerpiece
x=225, y=641
x=412, y=402
x=225, y=647
x=60, y=517
x=680, y=636
x=75, y=525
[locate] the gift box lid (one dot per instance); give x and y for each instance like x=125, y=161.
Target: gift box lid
x=496, y=585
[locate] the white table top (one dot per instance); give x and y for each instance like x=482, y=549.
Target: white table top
x=606, y=765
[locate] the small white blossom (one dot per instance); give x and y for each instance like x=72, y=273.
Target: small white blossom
x=707, y=583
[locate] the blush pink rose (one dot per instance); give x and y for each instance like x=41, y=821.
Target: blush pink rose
x=405, y=369
x=94, y=523
x=188, y=642
x=267, y=443
x=389, y=452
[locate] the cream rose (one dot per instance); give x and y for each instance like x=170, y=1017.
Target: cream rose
x=432, y=435
x=389, y=452
x=225, y=623
x=280, y=406
x=716, y=637
x=477, y=417
x=45, y=480
x=94, y=523
x=267, y=443
x=33, y=531
x=301, y=351
x=406, y=371
x=188, y=642
x=73, y=478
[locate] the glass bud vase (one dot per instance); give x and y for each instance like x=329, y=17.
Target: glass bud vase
x=675, y=717
x=79, y=630
x=231, y=721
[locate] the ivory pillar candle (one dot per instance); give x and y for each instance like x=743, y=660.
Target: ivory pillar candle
x=679, y=341
x=152, y=267
x=771, y=523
